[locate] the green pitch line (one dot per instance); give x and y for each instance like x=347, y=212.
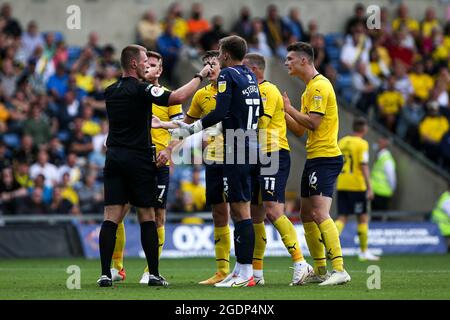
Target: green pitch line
x=402, y=277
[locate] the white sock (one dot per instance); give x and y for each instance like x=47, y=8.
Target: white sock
x=300, y=263
x=237, y=268
x=246, y=271
x=258, y=273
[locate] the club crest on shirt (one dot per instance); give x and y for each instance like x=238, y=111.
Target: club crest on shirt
x=222, y=86
x=317, y=101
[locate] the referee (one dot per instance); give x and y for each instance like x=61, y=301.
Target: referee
x=130, y=168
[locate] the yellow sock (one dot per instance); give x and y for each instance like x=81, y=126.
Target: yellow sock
x=339, y=225
x=119, y=248
x=222, y=248
x=260, y=246
x=316, y=248
x=161, y=238
x=289, y=237
x=330, y=236
x=363, y=234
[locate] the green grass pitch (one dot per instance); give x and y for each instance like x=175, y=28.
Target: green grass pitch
x=402, y=277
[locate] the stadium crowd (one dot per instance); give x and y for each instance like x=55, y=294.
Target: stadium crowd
x=52, y=112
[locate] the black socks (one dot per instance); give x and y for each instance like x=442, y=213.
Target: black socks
x=107, y=241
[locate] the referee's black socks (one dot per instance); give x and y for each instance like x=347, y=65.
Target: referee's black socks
x=149, y=240
x=107, y=241
x=244, y=241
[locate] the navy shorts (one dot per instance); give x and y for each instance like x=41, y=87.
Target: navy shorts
x=274, y=175
x=214, y=184
x=351, y=202
x=162, y=187
x=319, y=176
x=237, y=182
x=129, y=177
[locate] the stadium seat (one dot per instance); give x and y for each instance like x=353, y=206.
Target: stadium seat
x=334, y=39
x=12, y=140
x=333, y=53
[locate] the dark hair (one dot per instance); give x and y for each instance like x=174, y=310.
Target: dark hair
x=156, y=55
x=210, y=54
x=359, y=123
x=235, y=46
x=302, y=48
x=129, y=53
x=257, y=60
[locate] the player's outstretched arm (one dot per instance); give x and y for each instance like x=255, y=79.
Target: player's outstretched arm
x=185, y=92
x=158, y=124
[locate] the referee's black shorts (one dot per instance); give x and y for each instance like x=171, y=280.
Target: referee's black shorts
x=129, y=177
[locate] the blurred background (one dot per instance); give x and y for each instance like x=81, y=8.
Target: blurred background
x=53, y=119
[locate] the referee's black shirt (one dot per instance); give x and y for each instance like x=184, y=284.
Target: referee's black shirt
x=129, y=107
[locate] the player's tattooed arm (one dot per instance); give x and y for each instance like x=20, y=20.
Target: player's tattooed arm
x=310, y=122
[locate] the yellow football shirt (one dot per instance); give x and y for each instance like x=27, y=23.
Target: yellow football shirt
x=411, y=24
x=422, y=84
x=434, y=128
x=390, y=102
x=319, y=97
x=203, y=102
x=161, y=137
x=272, y=124
x=356, y=152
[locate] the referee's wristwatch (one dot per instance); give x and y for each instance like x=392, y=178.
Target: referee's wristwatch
x=198, y=75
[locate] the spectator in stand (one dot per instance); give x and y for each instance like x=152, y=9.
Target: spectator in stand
x=359, y=17
x=377, y=67
x=11, y=192
x=12, y=26
x=48, y=170
x=197, y=24
x=390, y=103
x=421, y=82
x=67, y=111
x=49, y=46
x=61, y=53
x=365, y=86
x=313, y=28
x=37, y=126
x=179, y=25
x=68, y=191
x=277, y=32
x=356, y=48
x=403, y=19
x=99, y=139
x=83, y=79
x=194, y=193
x=91, y=195
x=80, y=143
x=398, y=48
x=169, y=46
x=71, y=168
x=90, y=126
x=56, y=152
x=31, y=39
x=148, y=30
x=258, y=42
x=295, y=24
x=93, y=44
x=431, y=130
x=107, y=60
x=60, y=205
x=210, y=39
x=58, y=83
x=429, y=23
x=47, y=191
x=440, y=91
x=22, y=174
x=34, y=203
x=321, y=58
x=8, y=78
x=5, y=156
x=27, y=152
x=402, y=81
x=410, y=116
x=243, y=26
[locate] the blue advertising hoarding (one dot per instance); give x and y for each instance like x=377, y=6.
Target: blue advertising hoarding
x=198, y=240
